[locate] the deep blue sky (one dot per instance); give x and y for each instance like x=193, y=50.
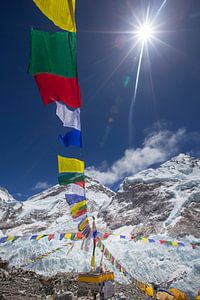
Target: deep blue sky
x=29, y=130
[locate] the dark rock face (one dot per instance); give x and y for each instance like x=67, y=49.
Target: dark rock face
x=147, y=206
x=139, y=203
x=189, y=223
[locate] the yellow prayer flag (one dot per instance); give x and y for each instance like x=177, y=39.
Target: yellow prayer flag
x=145, y=240
x=83, y=224
x=70, y=165
x=101, y=246
x=75, y=208
x=10, y=238
x=68, y=236
x=39, y=237
x=175, y=244
x=60, y=12
x=93, y=262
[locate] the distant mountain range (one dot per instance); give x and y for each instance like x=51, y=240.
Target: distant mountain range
x=161, y=203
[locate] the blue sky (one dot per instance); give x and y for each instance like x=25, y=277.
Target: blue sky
x=166, y=114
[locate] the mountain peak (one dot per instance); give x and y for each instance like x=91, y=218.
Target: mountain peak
x=5, y=196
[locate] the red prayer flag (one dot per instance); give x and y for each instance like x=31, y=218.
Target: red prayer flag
x=80, y=213
x=80, y=183
x=57, y=88
x=51, y=236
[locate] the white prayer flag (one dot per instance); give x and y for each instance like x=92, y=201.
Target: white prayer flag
x=70, y=118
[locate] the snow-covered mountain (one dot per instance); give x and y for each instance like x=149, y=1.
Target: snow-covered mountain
x=48, y=210
x=163, y=203
x=165, y=200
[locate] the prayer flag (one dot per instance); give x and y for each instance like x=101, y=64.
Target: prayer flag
x=10, y=238
x=60, y=12
x=72, y=138
x=181, y=244
x=68, y=236
x=51, y=236
x=81, y=184
x=86, y=230
x=79, y=213
x=70, y=118
x=76, y=189
x=122, y=236
x=83, y=224
x=152, y=241
x=3, y=239
x=40, y=236
x=54, y=53
x=70, y=178
x=62, y=235
x=175, y=244
x=73, y=198
x=144, y=239
x=79, y=235
x=70, y=165
x=78, y=207
x=58, y=88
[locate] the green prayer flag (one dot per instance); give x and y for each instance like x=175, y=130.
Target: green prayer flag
x=70, y=178
x=53, y=53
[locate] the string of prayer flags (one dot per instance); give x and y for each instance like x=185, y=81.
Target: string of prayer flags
x=112, y=259
x=72, y=138
x=69, y=118
x=83, y=227
x=41, y=256
x=70, y=165
x=60, y=12
x=78, y=209
x=53, y=63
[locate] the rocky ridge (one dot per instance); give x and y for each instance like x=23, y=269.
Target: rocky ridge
x=165, y=200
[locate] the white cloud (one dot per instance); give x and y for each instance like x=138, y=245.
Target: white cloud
x=157, y=147
x=41, y=185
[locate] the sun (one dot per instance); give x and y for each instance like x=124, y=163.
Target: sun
x=145, y=32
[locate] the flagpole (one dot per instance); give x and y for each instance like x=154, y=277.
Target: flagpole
x=94, y=231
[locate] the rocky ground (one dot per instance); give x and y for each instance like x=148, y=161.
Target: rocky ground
x=18, y=284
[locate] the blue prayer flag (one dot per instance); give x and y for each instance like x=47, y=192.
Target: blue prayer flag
x=3, y=239
x=122, y=236
x=181, y=244
x=73, y=198
x=152, y=241
x=72, y=138
x=86, y=230
x=62, y=235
